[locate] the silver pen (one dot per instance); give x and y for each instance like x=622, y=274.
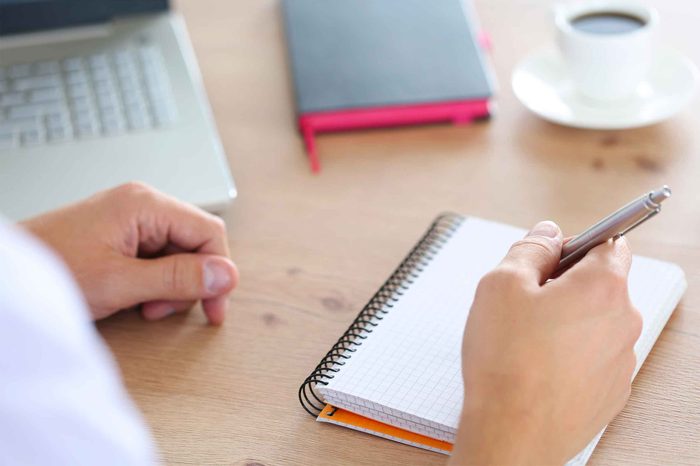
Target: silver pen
x=613, y=226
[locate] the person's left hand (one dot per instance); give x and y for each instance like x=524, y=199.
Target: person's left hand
x=132, y=245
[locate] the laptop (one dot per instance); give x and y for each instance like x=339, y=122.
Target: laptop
x=95, y=93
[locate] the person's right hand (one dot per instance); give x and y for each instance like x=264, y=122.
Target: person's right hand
x=546, y=365
x=132, y=245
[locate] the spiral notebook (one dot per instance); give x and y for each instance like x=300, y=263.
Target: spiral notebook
x=396, y=371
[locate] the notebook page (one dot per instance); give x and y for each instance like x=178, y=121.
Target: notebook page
x=655, y=289
x=408, y=371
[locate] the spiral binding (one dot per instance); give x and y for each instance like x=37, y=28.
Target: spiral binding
x=380, y=304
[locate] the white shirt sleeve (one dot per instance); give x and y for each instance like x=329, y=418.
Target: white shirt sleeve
x=62, y=401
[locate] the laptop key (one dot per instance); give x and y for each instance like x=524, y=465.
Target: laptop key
x=8, y=140
x=88, y=132
x=20, y=70
x=34, y=110
x=7, y=129
x=84, y=118
x=36, y=82
x=77, y=77
x=131, y=89
x=72, y=64
x=80, y=104
x=98, y=60
x=105, y=101
x=48, y=94
x=110, y=113
x=135, y=105
x=104, y=87
x=57, y=120
x=47, y=67
x=31, y=136
x=132, y=99
x=78, y=90
x=138, y=117
x=123, y=56
x=58, y=134
x=21, y=112
x=101, y=74
x=112, y=125
x=20, y=124
x=11, y=98
x=140, y=122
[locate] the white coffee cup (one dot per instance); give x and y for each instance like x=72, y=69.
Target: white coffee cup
x=606, y=66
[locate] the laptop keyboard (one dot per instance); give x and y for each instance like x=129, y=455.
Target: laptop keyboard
x=84, y=97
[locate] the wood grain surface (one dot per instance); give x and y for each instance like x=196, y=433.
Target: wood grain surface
x=313, y=249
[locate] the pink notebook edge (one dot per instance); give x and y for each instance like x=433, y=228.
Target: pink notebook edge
x=457, y=112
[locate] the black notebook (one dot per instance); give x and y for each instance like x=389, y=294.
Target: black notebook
x=373, y=63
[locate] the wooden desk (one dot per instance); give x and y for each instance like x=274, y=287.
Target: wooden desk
x=312, y=249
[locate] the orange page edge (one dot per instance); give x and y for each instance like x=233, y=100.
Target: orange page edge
x=349, y=418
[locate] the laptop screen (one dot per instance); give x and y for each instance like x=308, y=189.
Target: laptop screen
x=18, y=16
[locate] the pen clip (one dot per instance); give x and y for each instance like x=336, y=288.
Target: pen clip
x=638, y=222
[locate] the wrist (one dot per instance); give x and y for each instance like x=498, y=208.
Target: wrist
x=499, y=434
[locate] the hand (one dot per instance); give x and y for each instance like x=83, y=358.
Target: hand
x=133, y=245
x=546, y=365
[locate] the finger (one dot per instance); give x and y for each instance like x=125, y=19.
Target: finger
x=180, y=277
x=168, y=221
x=613, y=256
x=537, y=255
x=215, y=309
x=558, y=272
x=156, y=310
x=602, y=274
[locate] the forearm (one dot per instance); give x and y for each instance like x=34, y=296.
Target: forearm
x=495, y=436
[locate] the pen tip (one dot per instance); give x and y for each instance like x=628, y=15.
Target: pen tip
x=660, y=194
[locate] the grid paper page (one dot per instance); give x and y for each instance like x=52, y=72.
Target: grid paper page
x=411, y=364
x=408, y=371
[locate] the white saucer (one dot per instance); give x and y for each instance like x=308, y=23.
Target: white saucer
x=542, y=83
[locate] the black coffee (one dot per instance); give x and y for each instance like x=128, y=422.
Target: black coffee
x=607, y=23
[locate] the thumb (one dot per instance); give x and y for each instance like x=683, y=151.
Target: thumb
x=180, y=277
x=537, y=255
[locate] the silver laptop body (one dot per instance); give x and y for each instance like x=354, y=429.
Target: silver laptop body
x=87, y=108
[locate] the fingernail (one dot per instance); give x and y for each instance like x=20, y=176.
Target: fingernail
x=217, y=276
x=546, y=228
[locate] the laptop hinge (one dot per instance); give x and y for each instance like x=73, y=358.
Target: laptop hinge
x=56, y=36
